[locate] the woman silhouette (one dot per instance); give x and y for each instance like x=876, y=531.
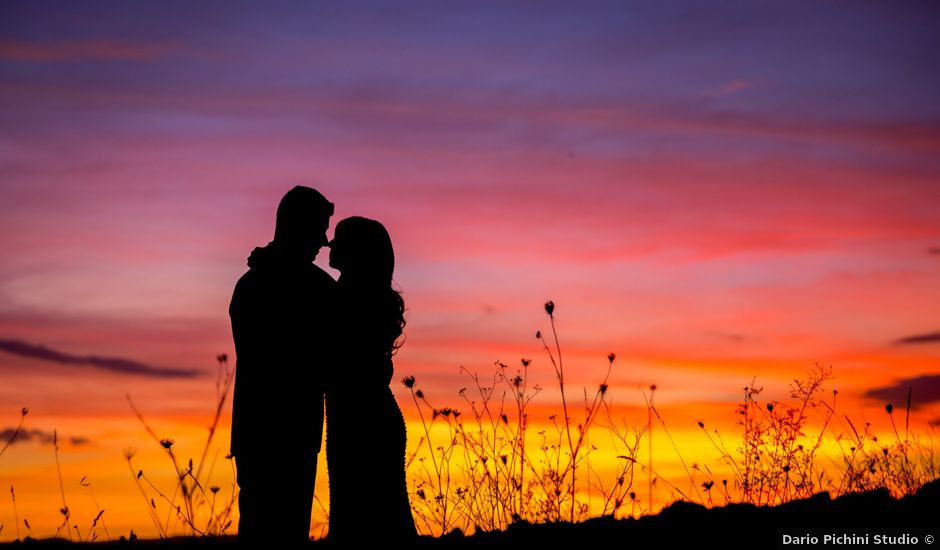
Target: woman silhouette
x=365, y=430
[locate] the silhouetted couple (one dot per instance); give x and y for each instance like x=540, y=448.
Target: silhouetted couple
x=300, y=336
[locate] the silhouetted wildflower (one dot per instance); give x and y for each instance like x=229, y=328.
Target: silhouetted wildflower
x=526, y=362
x=549, y=307
x=611, y=356
x=890, y=408
x=408, y=381
x=167, y=443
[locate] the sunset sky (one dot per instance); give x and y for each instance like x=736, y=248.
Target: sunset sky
x=714, y=191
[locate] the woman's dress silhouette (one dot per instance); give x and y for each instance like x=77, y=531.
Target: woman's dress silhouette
x=365, y=430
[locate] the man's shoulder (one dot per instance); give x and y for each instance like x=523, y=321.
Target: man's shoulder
x=309, y=275
x=249, y=279
x=312, y=275
x=245, y=292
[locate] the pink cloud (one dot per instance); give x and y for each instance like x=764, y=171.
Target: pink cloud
x=735, y=86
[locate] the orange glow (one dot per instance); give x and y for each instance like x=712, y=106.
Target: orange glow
x=683, y=458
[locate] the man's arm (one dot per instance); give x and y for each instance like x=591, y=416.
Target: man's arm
x=244, y=334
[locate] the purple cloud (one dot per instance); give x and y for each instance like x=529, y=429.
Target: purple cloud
x=924, y=389
x=39, y=436
x=113, y=364
x=928, y=338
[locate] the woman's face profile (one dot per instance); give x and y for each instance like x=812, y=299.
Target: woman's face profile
x=337, y=249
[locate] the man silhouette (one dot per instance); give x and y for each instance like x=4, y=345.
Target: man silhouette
x=279, y=312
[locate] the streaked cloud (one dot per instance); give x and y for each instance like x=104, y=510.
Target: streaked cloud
x=735, y=86
x=924, y=390
x=81, y=50
x=38, y=436
x=734, y=337
x=928, y=338
x=112, y=364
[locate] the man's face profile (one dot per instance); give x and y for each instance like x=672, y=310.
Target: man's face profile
x=318, y=235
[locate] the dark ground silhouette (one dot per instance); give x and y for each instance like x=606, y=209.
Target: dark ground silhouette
x=682, y=525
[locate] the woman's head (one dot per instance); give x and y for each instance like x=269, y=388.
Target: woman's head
x=362, y=251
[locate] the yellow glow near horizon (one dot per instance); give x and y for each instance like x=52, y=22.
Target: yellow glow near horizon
x=682, y=459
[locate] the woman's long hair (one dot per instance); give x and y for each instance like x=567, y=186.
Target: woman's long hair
x=367, y=263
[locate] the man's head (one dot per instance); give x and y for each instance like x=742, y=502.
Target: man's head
x=302, y=220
